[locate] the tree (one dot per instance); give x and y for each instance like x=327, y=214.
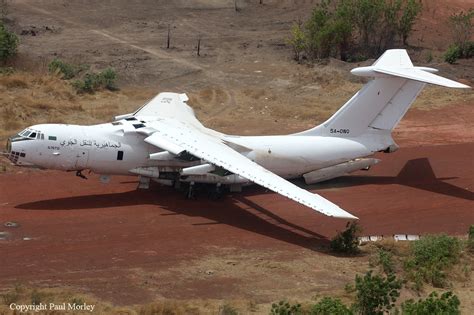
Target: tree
x=376, y=294
x=368, y=14
x=297, y=40
x=407, y=20
x=462, y=28
x=8, y=43
x=446, y=304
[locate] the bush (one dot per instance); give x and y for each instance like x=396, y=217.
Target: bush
x=430, y=257
x=8, y=43
x=330, y=306
x=285, y=308
x=95, y=81
x=227, y=309
x=66, y=70
x=447, y=304
x=297, y=40
x=385, y=261
x=108, y=78
x=452, y=54
x=347, y=241
x=376, y=294
x=470, y=239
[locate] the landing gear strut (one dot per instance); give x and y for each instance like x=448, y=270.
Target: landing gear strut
x=216, y=193
x=79, y=174
x=191, y=194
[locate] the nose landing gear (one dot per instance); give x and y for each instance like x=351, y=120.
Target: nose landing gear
x=79, y=174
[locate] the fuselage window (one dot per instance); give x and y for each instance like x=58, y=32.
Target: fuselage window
x=54, y=138
x=119, y=155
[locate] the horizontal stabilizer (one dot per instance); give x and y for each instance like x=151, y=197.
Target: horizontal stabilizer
x=422, y=76
x=397, y=63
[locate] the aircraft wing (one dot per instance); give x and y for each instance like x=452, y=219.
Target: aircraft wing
x=173, y=133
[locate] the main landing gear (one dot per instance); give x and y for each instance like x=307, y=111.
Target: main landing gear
x=213, y=191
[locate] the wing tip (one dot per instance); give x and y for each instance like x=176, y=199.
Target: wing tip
x=347, y=216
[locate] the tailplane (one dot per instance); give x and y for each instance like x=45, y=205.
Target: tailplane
x=381, y=103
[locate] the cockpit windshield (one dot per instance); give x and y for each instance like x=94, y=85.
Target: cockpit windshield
x=31, y=134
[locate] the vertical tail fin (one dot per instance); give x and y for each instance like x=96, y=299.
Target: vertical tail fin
x=382, y=102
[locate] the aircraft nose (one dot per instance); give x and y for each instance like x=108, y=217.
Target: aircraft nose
x=9, y=145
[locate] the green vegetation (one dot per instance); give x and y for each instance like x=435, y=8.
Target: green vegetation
x=285, y=308
x=354, y=29
x=446, y=304
x=330, y=306
x=66, y=70
x=227, y=309
x=376, y=294
x=470, y=239
x=347, y=241
x=90, y=81
x=8, y=44
x=95, y=81
x=462, y=29
x=385, y=261
x=430, y=257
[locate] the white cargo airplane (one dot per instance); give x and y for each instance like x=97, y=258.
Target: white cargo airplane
x=164, y=141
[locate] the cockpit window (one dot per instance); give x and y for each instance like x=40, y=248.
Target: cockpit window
x=32, y=135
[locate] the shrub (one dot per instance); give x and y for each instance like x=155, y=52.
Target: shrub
x=462, y=28
x=430, y=257
x=108, y=78
x=227, y=309
x=8, y=43
x=66, y=70
x=347, y=241
x=330, y=306
x=95, y=81
x=376, y=294
x=385, y=261
x=446, y=304
x=470, y=239
x=297, y=40
x=285, y=308
x=452, y=54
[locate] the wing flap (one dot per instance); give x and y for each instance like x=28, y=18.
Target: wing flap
x=212, y=150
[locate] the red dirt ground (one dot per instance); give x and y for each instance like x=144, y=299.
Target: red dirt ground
x=89, y=235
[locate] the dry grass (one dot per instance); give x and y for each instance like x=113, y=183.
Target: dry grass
x=27, y=99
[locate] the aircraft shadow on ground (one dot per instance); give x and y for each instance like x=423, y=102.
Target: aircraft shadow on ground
x=416, y=173
x=236, y=211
